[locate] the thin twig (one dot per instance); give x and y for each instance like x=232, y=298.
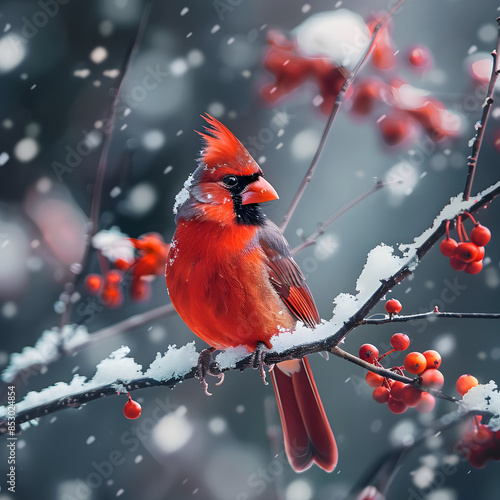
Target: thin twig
x=383, y=473
x=311, y=240
x=101, y=170
x=430, y=314
x=96, y=198
x=123, y=326
x=478, y=140
x=336, y=107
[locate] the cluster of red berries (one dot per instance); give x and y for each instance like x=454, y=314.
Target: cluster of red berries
x=291, y=69
x=132, y=409
x=480, y=444
x=468, y=254
x=152, y=252
x=398, y=395
x=107, y=288
x=399, y=125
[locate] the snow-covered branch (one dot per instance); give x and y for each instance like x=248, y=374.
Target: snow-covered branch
x=54, y=343
x=381, y=273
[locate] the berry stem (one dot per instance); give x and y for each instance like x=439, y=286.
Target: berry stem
x=460, y=228
x=448, y=229
x=471, y=218
x=384, y=355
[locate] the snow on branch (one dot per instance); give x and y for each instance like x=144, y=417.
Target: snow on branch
x=383, y=270
x=69, y=340
x=116, y=374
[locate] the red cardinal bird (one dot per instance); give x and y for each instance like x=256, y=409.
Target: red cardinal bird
x=232, y=279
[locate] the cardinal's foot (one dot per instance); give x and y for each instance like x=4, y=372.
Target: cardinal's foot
x=203, y=368
x=257, y=360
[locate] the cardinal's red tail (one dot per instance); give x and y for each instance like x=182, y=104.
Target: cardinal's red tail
x=307, y=433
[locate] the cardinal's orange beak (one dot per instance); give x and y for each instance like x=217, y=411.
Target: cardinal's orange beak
x=258, y=192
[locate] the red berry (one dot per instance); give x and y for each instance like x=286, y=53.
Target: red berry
x=465, y=383
x=132, y=409
x=400, y=341
x=394, y=129
x=393, y=306
x=374, y=379
x=457, y=263
x=112, y=296
x=411, y=395
x=480, y=235
x=140, y=290
x=433, y=379
x=380, y=394
x=396, y=406
x=480, y=254
x=122, y=264
x=93, y=284
x=365, y=95
x=433, y=359
x=477, y=459
x=448, y=247
x=114, y=277
x=397, y=390
x=474, y=267
x=466, y=252
x=368, y=352
x=415, y=363
x=426, y=403
x=419, y=57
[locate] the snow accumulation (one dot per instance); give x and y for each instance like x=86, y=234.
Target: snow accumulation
x=340, y=35
x=45, y=350
x=183, y=195
x=175, y=363
x=117, y=367
x=483, y=397
x=114, y=245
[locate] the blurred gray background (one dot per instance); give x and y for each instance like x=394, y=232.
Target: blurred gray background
x=54, y=87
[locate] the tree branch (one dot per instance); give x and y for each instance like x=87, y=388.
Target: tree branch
x=101, y=170
x=384, y=471
x=431, y=314
x=336, y=108
x=478, y=139
x=311, y=240
x=126, y=325
x=298, y=351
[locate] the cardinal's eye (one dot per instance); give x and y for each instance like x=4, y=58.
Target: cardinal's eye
x=230, y=180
